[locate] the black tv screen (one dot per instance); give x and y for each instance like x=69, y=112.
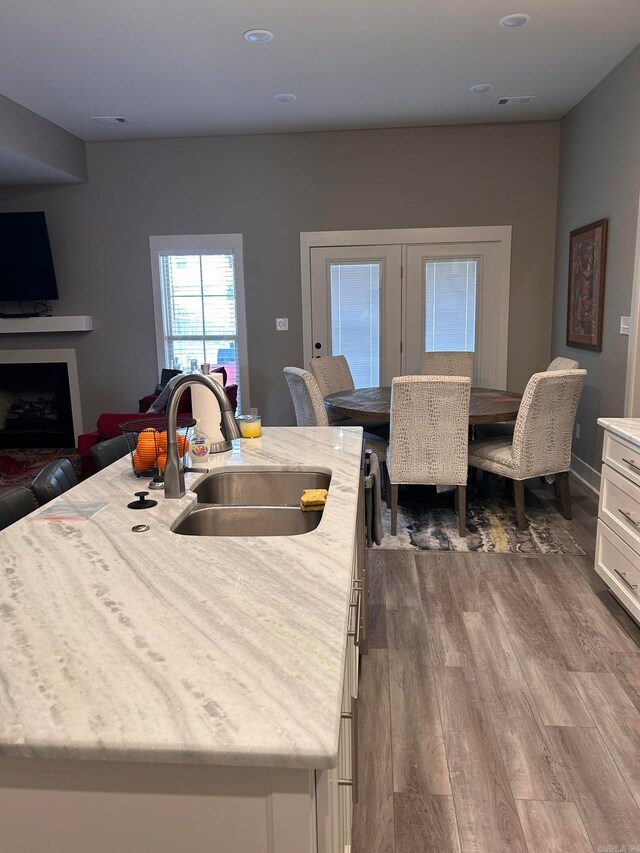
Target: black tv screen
x=26, y=264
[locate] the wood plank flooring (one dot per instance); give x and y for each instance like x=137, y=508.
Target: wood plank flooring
x=500, y=704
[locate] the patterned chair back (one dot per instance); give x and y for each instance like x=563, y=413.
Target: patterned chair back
x=429, y=433
x=332, y=373
x=544, y=427
x=448, y=364
x=306, y=396
x=561, y=363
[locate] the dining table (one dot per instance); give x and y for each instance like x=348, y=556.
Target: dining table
x=487, y=405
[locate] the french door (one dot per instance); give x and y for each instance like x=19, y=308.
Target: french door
x=356, y=309
x=383, y=306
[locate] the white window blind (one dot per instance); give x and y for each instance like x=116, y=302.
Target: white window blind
x=355, y=319
x=199, y=311
x=450, y=305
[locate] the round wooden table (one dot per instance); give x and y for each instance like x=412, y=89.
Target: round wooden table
x=487, y=406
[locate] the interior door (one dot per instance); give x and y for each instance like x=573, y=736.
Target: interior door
x=452, y=303
x=356, y=309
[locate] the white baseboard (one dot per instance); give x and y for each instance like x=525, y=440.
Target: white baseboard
x=585, y=473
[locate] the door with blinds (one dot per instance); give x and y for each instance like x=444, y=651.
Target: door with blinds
x=451, y=304
x=383, y=306
x=356, y=309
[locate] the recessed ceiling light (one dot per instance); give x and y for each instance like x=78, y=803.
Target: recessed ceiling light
x=257, y=36
x=479, y=88
x=285, y=98
x=511, y=21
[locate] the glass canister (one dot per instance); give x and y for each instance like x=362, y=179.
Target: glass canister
x=250, y=426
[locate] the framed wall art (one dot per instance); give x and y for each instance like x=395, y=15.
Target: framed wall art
x=587, y=259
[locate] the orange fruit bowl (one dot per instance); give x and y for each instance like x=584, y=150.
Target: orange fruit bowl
x=147, y=439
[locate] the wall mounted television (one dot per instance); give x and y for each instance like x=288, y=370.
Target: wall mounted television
x=26, y=263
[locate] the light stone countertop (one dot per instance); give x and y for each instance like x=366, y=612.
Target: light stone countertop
x=627, y=428
x=163, y=648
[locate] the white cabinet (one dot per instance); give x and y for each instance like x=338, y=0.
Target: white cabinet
x=618, y=538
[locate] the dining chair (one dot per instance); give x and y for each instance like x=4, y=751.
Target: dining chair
x=506, y=429
x=448, y=364
x=106, y=452
x=429, y=436
x=310, y=411
x=541, y=443
x=56, y=477
x=15, y=503
x=332, y=373
x=561, y=363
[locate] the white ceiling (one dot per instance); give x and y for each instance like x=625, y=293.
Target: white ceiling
x=182, y=68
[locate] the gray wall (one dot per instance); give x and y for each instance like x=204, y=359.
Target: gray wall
x=270, y=188
x=27, y=139
x=600, y=177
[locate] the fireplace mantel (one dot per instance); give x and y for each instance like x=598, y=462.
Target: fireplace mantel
x=45, y=325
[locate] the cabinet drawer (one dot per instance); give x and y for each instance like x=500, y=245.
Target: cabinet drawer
x=620, y=506
x=622, y=456
x=619, y=566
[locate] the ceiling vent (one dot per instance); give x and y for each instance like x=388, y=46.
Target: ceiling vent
x=516, y=99
x=110, y=119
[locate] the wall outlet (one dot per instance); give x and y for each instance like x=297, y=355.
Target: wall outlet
x=577, y=430
x=624, y=325
x=282, y=324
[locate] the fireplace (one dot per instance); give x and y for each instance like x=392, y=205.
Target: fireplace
x=35, y=405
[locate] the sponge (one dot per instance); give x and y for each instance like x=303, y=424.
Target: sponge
x=313, y=500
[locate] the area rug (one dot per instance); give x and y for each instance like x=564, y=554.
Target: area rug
x=18, y=466
x=426, y=522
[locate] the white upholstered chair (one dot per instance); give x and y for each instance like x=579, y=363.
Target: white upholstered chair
x=561, y=363
x=332, y=373
x=448, y=364
x=541, y=443
x=310, y=411
x=429, y=435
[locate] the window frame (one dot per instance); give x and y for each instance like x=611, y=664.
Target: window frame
x=203, y=244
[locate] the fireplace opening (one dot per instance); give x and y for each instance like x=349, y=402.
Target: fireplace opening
x=35, y=405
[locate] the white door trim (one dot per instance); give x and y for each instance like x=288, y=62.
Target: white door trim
x=473, y=234
x=632, y=387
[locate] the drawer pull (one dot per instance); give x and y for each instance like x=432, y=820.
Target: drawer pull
x=354, y=781
x=623, y=577
x=627, y=515
x=632, y=464
x=355, y=633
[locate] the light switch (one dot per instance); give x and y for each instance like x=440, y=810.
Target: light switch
x=624, y=325
x=282, y=324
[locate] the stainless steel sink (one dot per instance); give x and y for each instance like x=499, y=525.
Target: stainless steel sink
x=248, y=521
x=259, y=488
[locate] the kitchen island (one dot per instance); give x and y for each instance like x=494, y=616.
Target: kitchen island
x=162, y=692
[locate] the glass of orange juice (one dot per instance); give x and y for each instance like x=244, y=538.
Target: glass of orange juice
x=250, y=426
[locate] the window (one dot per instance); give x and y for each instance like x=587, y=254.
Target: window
x=199, y=304
x=450, y=305
x=355, y=319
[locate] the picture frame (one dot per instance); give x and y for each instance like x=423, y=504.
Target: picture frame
x=585, y=299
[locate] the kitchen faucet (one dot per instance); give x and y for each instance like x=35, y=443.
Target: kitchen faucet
x=174, y=471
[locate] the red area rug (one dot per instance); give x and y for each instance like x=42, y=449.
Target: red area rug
x=18, y=466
